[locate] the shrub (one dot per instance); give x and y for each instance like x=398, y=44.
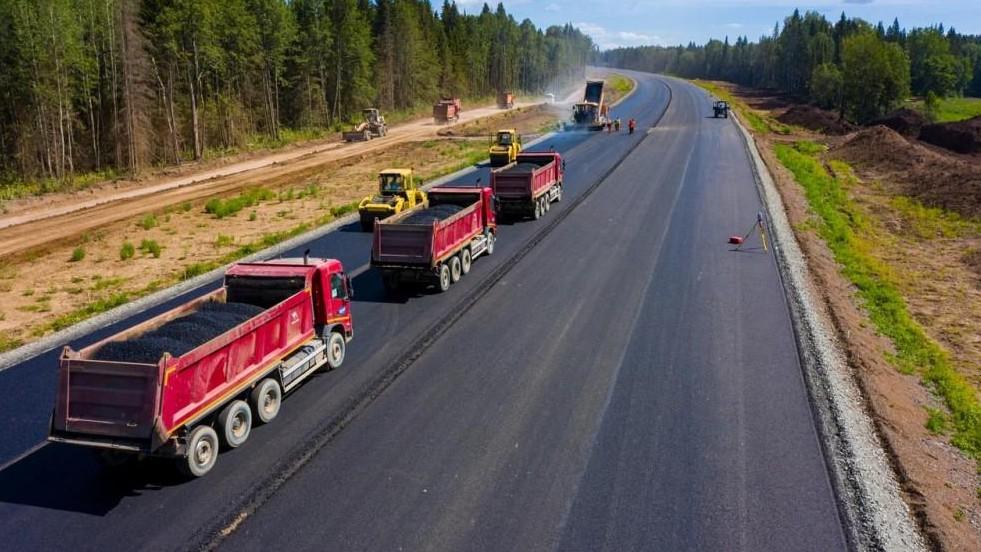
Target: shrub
x=151, y=247
x=77, y=254
x=126, y=251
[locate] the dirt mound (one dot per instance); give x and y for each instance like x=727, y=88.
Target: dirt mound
x=814, y=118
x=961, y=136
x=904, y=121
x=880, y=153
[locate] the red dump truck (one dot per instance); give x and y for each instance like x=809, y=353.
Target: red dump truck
x=446, y=110
x=193, y=380
x=438, y=244
x=528, y=186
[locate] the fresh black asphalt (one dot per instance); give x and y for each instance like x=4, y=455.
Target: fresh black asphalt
x=629, y=384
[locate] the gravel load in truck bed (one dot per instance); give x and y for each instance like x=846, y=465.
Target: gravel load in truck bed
x=522, y=168
x=428, y=215
x=181, y=334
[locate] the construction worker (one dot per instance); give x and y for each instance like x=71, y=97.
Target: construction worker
x=631, y=124
x=616, y=124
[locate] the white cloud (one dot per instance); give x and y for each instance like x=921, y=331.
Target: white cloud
x=607, y=39
x=553, y=7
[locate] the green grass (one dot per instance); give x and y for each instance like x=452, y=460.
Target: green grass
x=223, y=241
x=148, y=222
x=127, y=251
x=88, y=311
x=12, y=187
x=77, y=254
x=755, y=119
x=621, y=84
x=952, y=109
x=222, y=208
x=852, y=238
x=151, y=247
x=7, y=342
x=931, y=222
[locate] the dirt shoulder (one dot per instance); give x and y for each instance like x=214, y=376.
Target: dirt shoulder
x=32, y=222
x=163, y=242
x=913, y=217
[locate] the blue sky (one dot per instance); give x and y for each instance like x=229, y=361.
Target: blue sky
x=614, y=23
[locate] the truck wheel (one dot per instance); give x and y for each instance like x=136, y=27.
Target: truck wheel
x=266, y=399
x=546, y=204
x=235, y=424
x=558, y=194
x=465, y=261
x=444, y=278
x=491, y=239
x=537, y=212
x=336, y=349
x=202, y=452
x=455, y=269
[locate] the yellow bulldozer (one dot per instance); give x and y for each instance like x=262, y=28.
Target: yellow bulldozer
x=505, y=147
x=398, y=190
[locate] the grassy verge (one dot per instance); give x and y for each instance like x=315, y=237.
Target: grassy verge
x=12, y=187
x=618, y=86
x=470, y=153
x=852, y=237
x=952, y=109
x=757, y=120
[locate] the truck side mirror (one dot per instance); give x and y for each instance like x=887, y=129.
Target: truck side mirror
x=349, y=288
x=563, y=164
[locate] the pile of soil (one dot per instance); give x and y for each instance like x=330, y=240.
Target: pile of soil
x=904, y=121
x=432, y=214
x=880, y=153
x=180, y=335
x=960, y=136
x=815, y=118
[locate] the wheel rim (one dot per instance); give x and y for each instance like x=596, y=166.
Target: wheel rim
x=239, y=425
x=269, y=403
x=336, y=350
x=444, y=278
x=203, y=452
x=465, y=262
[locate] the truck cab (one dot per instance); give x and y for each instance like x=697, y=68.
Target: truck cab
x=398, y=190
x=265, y=284
x=505, y=147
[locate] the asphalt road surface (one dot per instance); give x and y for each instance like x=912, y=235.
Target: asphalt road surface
x=613, y=377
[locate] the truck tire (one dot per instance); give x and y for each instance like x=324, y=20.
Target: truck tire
x=546, y=204
x=491, y=239
x=537, y=211
x=235, y=424
x=466, y=260
x=202, y=452
x=444, y=278
x=266, y=399
x=456, y=271
x=336, y=349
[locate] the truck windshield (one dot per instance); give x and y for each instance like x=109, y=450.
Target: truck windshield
x=390, y=183
x=337, y=290
x=504, y=138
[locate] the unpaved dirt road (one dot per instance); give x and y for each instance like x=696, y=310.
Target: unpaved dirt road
x=55, y=221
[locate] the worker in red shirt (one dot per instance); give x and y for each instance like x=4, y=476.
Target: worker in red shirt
x=631, y=125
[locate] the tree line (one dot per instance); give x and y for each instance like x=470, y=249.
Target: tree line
x=860, y=69
x=119, y=85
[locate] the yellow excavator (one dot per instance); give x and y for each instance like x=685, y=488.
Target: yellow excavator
x=505, y=148
x=398, y=190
